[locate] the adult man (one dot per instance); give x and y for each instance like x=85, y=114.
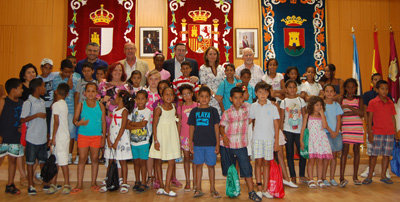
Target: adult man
x=256, y=71
x=92, y=54
x=131, y=63
x=173, y=66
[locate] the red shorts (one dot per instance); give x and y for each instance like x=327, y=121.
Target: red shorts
x=89, y=141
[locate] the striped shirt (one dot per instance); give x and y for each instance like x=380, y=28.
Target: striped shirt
x=236, y=123
x=178, y=82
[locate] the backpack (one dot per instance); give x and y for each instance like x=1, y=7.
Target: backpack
x=49, y=169
x=275, y=183
x=232, y=182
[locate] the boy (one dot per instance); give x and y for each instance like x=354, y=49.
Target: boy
x=66, y=76
x=203, y=124
x=100, y=74
x=87, y=71
x=140, y=128
x=245, y=77
x=60, y=135
x=34, y=115
x=225, y=87
x=233, y=129
x=184, y=79
x=381, y=135
x=10, y=112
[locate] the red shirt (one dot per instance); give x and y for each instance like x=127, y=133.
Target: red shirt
x=382, y=116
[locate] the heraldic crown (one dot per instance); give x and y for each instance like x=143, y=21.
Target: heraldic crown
x=199, y=15
x=293, y=21
x=101, y=16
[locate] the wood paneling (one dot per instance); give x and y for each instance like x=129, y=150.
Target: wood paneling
x=33, y=29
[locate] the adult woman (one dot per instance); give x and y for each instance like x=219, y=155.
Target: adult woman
x=212, y=74
x=27, y=73
x=330, y=70
x=275, y=79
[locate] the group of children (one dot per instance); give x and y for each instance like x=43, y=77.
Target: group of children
x=159, y=123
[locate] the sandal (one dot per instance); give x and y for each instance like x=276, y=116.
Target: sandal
x=124, y=189
x=367, y=181
x=198, y=194
x=141, y=188
x=170, y=193
x=357, y=182
x=66, y=189
x=187, y=188
x=95, y=188
x=75, y=191
x=343, y=183
x=321, y=184
x=103, y=189
x=387, y=181
x=311, y=184
x=215, y=194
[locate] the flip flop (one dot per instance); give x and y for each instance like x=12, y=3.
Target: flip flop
x=367, y=181
x=357, y=182
x=387, y=181
x=95, y=188
x=76, y=191
x=215, y=194
x=198, y=194
x=343, y=183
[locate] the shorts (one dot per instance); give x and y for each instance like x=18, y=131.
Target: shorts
x=61, y=153
x=263, y=149
x=204, y=154
x=89, y=141
x=33, y=152
x=71, y=127
x=336, y=143
x=230, y=156
x=382, y=145
x=140, y=152
x=48, y=119
x=369, y=147
x=14, y=150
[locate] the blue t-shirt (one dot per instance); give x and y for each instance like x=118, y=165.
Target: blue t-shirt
x=93, y=114
x=70, y=98
x=224, y=90
x=203, y=120
x=331, y=113
x=252, y=94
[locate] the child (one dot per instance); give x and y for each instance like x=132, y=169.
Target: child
x=352, y=128
x=274, y=79
x=100, y=74
x=140, y=126
x=292, y=111
x=292, y=73
x=318, y=143
x=184, y=79
x=225, y=87
x=245, y=77
x=10, y=112
x=204, y=140
x=90, y=118
x=134, y=81
x=34, y=115
x=233, y=129
x=60, y=135
x=87, y=71
x=118, y=143
x=165, y=146
x=153, y=78
x=183, y=114
x=67, y=76
x=158, y=61
x=381, y=135
x=333, y=115
x=265, y=117
x=310, y=87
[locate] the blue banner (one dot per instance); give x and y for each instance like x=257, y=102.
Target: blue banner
x=294, y=32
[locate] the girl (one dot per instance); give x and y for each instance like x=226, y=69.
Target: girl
x=91, y=134
x=333, y=115
x=165, y=146
x=352, y=128
x=292, y=73
x=292, y=111
x=337, y=83
x=183, y=115
x=274, y=79
x=134, y=82
x=118, y=143
x=153, y=78
x=310, y=87
x=265, y=136
x=158, y=61
x=318, y=143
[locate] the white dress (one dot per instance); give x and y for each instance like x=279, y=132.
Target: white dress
x=123, y=151
x=208, y=78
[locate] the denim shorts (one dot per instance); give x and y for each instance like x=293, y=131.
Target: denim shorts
x=230, y=156
x=204, y=154
x=336, y=143
x=33, y=152
x=140, y=152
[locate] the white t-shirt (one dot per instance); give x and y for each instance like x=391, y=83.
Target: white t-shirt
x=274, y=82
x=293, y=116
x=60, y=108
x=311, y=89
x=264, y=116
x=140, y=136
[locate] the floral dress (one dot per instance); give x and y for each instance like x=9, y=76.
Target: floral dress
x=208, y=78
x=123, y=151
x=318, y=143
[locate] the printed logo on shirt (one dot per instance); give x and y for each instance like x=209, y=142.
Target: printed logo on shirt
x=17, y=115
x=138, y=135
x=203, y=118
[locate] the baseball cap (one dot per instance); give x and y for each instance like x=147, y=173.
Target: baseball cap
x=46, y=61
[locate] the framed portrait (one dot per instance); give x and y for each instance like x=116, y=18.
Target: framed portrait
x=246, y=38
x=150, y=41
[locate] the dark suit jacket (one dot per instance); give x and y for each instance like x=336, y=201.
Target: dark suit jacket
x=169, y=65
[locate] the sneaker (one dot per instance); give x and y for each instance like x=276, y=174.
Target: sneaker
x=326, y=182
x=53, y=189
x=333, y=182
x=289, y=184
x=32, y=191
x=76, y=162
x=388, y=174
x=253, y=196
x=46, y=187
x=136, y=186
x=176, y=182
x=259, y=194
x=69, y=158
x=267, y=194
x=11, y=189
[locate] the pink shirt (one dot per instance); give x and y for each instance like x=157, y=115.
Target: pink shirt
x=184, y=111
x=236, y=123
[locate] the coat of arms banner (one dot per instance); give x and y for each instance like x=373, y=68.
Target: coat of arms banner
x=294, y=32
x=109, y=23
x=199, y=25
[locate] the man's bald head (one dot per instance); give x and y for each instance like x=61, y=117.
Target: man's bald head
x=248, y=56
x=130, y=50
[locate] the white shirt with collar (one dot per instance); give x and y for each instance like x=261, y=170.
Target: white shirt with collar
x=178, y=72
x=129, y=69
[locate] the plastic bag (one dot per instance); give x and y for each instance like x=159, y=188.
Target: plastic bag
x=275, y=183
x=395, y=162
x=49, y=169
x=304, y=153
x=232, y=182
x=112, y=182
